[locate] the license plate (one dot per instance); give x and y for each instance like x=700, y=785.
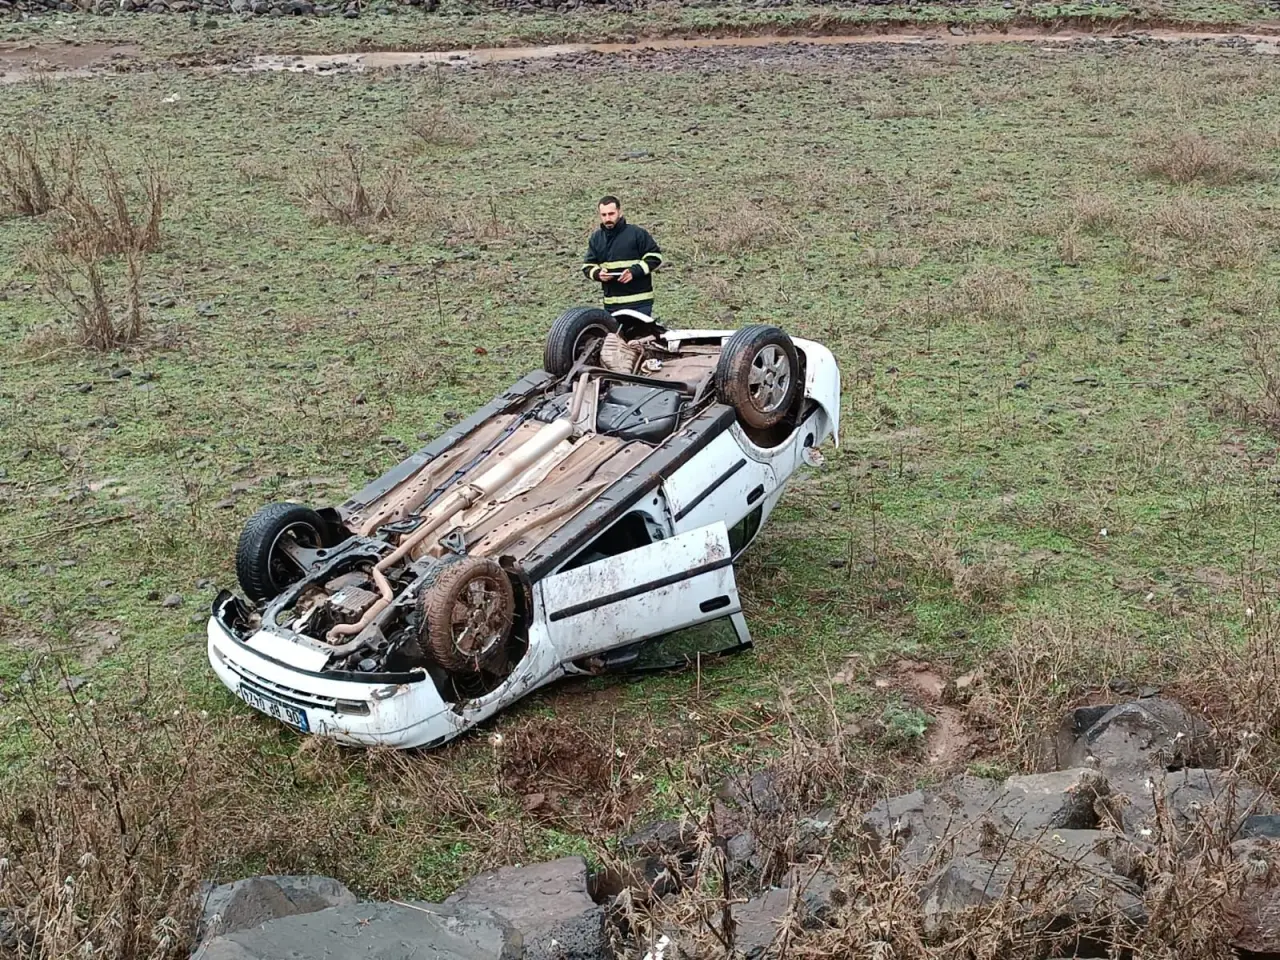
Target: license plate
x=273, y=707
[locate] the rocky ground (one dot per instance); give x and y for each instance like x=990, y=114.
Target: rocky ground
x=1137, y=824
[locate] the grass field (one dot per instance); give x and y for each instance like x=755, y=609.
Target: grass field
x=1048, y=274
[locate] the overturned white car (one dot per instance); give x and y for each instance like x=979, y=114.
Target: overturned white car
x=592, y=508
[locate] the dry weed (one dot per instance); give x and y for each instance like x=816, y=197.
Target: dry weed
x=991, y=294
x=983, y=582
x=104, y=319
x=437, y=126
x=103, y=842
x=748, y=226
x=1188, y=157
x=1092, y=212
x=1222, y=235
x=892, y=258
x=35, y=177
x=98, y=222
x=340, y=191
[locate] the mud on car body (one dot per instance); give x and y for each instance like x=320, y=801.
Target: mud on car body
x=593, y=507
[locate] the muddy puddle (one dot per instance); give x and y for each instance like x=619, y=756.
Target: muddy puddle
x=35, y=61
x=384, y=60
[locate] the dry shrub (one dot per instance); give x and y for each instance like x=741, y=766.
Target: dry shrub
x=747, y=226
x=892, y=258
x=980, y=581
x=340, y=191
x=105, y=319
x=437, y=126
x=1223, y=235
x=1092, y=212
x=103, y=841
x=36, y=177
x=1188, y=157
x=1072, y=249
x=1258, y=137
x=97, y=223
x=992, y=294
x=962, y=239
x=1262, y=356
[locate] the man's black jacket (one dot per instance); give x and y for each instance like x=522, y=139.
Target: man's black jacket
x=623, y=247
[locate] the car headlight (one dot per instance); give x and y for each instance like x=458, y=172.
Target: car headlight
x=357, y=708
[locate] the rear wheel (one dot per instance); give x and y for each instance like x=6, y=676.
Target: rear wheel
x=577, y=334
x=758, y=375
x=263, y=566
x=467, y=613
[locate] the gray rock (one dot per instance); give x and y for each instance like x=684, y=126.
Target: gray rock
x=1190, y=796
x=1042, y=801
x=645, y=878
x=548, y=903
x=375, y=931
x=1067, y=879
x=759, y=921
x=172, y=601
x=757, y=793
x=1253, y=912
x=663, y=837
x=740, y=848
x=1263, y=826
x=942, y=821
x=1135, y=737
x=73, y=684
x=256, y=900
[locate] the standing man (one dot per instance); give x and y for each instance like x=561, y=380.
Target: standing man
x=622, y=257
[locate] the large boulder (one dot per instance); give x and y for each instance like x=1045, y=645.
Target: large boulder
x=1133, y=738
x=375, y=931
x=548, y=903
x=1188, y=797
x=254, y=901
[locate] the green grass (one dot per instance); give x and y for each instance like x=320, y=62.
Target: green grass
x=1001, y=407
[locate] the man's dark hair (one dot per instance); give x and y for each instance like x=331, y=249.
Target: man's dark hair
x=605, y=201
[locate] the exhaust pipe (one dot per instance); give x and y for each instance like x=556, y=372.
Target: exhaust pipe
x=486, y=485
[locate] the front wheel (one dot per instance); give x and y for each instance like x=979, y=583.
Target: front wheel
x=758, y=375
x=577, y=334
x=467, y=611
x=263, y=566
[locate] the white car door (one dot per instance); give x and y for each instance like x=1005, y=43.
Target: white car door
x=664, y=586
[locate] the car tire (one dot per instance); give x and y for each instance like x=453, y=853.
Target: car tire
x=262, y=570
x=576, y=333
x=467, y=612
x=758, y=375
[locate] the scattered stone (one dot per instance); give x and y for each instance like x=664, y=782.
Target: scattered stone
x=204, y=583
x=172, y=601
x=757, y=793
x=225, y=504
x=657, y=839
x=73, y=684
x=120, y=373
x=547, y=903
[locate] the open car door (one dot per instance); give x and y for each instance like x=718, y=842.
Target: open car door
x=646, y=592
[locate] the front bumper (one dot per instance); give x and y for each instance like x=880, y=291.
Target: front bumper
x=399, y=715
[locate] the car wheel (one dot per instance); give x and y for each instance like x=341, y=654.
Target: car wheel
x=577, y=334
x=262, y=567
x=758, y=375
x=467, y=613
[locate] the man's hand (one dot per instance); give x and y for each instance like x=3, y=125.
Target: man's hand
x=604, y=275
x=625, y=276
